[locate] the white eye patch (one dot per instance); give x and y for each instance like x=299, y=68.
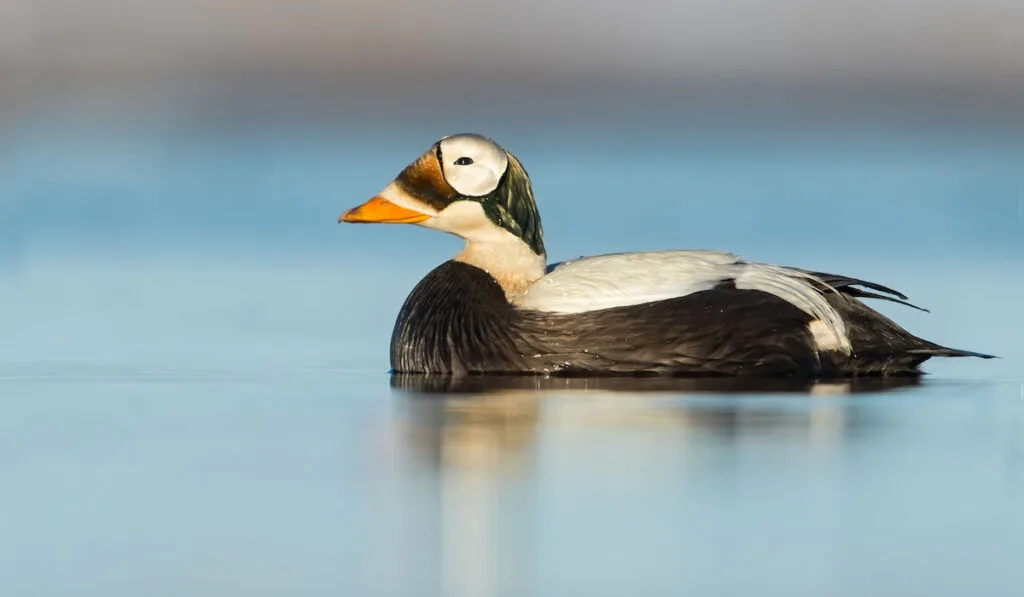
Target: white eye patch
x=472, y=164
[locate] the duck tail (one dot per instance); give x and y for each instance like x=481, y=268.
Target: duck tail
x=934, y=350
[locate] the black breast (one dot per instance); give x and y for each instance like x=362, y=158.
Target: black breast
x=457, y=320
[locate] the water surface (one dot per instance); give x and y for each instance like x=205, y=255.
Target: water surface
x=195, y=399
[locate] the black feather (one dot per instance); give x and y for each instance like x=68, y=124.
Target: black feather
x=849, y=285
x=839, y=282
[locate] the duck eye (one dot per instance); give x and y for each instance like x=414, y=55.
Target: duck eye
x=463, y=161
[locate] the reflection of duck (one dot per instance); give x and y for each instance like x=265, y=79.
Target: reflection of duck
x=493, y=421
x=433, y=384
x=495, y=308
x=474, y=430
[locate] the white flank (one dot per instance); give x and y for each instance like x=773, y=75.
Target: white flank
x=825, y=337
x=620, y=280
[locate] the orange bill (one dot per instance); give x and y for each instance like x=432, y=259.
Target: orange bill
x=380, y=210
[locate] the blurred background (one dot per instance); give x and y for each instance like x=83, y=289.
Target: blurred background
x=194, y=354
x=213, y=122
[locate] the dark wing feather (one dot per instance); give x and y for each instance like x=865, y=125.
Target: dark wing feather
x=848, y=286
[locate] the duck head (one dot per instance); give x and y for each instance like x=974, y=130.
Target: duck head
x=467, y=185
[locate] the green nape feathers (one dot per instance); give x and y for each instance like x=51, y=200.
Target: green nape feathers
x=511, y=206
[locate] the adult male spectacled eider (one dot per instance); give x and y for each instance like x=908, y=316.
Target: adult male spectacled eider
x=497, y=307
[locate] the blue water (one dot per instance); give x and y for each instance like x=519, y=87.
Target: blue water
x=195, y=399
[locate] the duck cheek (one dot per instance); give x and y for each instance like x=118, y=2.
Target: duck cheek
x=465, y=218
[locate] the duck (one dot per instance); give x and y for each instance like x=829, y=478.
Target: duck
x=497, y=307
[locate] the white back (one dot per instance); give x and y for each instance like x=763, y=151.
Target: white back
x=618, y=280
x=480, y=177
x=621, y=280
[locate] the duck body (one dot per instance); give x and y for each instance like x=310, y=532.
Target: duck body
x=458, y=321
x=497, y=308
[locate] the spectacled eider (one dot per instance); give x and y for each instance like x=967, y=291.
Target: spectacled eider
x=497, y=308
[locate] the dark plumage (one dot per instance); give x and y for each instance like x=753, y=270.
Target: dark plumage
x=458, y=321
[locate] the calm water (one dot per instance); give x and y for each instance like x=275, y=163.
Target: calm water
x=195, y=400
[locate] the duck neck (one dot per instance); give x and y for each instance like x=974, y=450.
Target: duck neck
x=507, y=259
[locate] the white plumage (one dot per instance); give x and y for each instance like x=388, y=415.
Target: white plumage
x=473, y=165
x=620, y=280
